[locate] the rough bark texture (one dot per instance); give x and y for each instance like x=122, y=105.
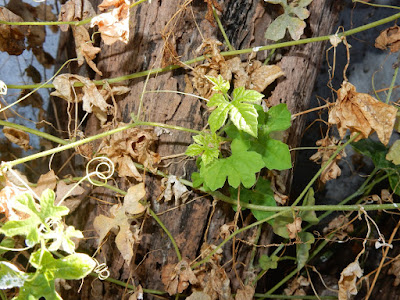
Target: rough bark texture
x=245, y=23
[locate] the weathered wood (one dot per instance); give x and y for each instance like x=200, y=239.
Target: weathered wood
x=245, y=23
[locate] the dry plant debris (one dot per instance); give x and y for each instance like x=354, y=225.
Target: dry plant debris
x=390, y=37
x=46, y=181
x=132, y=145
x=347, y=281
x=341, y=226
x=113, y=25
x=246, y=293
x=12, y=38
x=171, y=186
x=294, y=228
x=251, y=75
x=296, y=287
x=176, y=278
x=327, y=148
x=362, y=113
x=395, y=270
x=18, y=137
x=120, y=221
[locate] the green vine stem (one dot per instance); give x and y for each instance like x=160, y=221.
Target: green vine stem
x=392, y=85
x=221, y=28
x=226, y=53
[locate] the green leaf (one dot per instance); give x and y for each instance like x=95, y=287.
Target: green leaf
x=374, y=150
x=267, y=262
x=197, y=180
x=220, y=85
x=280, y=223
x=62, y=238
x=240, y=167
x=48, y=209
x=28, y=228
x=275, y=154
x=207, y=145
x=74, y=266
x=278, y=118
x=243, y=115
x=303, y=249
x=291, y=19
x=394, y=153
x=309, y=216
x=7, y=242
x=36, y=287
x=11, y=276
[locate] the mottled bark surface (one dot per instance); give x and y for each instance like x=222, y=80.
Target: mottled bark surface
x=245, y=23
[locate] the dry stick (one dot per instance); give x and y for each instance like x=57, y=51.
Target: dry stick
x=382, y=261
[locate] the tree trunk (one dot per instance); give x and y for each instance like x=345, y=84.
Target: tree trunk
x=245, y=23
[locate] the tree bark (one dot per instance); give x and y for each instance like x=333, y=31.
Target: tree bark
x=245, y=23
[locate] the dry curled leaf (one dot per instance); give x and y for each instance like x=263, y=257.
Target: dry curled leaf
x=176, y=278
x=113, y=25
x=347, y=281
x=327, y=146
x=390, y=37
x=71, y=193
x=46, y=181
x=12, y=38
x=18, y=137
x=362, y=113
x=173, y=187
x=132, y=145
x=395, y=270
x=251, y=75
x=198, y=296
x=121, y=219
x=294, y=228
x=7, y=195
x=75, y=10
x=246, y=293
x=295, y=287
x=341, y=226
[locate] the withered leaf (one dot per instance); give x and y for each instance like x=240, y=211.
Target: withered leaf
x=173, y=187
x=341, y=226
x=246, y=293
x=390, y=37
x=18, y=137
x=176, y=278
x=113, y=25
x=295, y=287
x=294, y=228
x=75, y=10
x=46, y=181
x=12, y=38
x=362, y=113
x=347, y=281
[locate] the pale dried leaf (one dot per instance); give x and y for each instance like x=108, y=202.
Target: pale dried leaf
x=173, y=187
x=395, y=270
x=75, y=10
x=114, y=25
x=46, y=181
x=199, y=296
x=347, y=281
x=12, y=38
x=18, y=137
x=294, y=228
x=7, y=195
x=70, y=191
x=131, y=199
x=295, y=287
x=138, y=294
x=390, y=37
x=341, y=227
x=394, y=153
x=246, y=293
x=362, y=113
x=176, y=278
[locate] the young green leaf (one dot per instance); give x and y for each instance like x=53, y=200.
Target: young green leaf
x=38, y=286
x=303, y=248
x=242, y=114
x=206, y=145
x=279, y=225
x=11, y=276
x=278, y=118
x=309, y=216
x=291, y=19
x=394, y=153
x=267, y=262
x=62, y=238
x=275, y=154
x=240, y=167
x=220, y=85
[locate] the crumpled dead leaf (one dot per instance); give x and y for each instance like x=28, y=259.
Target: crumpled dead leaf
x=120, y=221
x=132, y=145
x=18, y=137
x=113, y=25
x=198, y=296
x=341, y=226
x=75, y=10
x=295, y=287
x=362, y=113
x=7, y=194
x=294, y=228
x=395, y=270
x=176, y=278
x=46, y=181
x=327, y=146
x=94, y=100
x=138, y=294
x=173, y=187
x=70, y=191
x=12, y=38
x=246, y=293
x=347, y=281
x=252, y=75
x=390, y=37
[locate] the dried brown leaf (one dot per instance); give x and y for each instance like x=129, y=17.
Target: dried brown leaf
x=176, y=278
x=390, y=37
x=362, y=113
x=70, y=191
x=12, y=38
x=246, y=293
x=46, y=181
x=114, y=25
x=294, y=228
x=18, y=137
x=173, y=187
x=75, y=10
x=295, y=287
x=347, y=281
x=138, y=294
x=341, y=226
x=199, y=296
x=209, y=15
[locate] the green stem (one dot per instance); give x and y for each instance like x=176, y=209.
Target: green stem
x=216, y=17
x=35, y=132
x=296, y=297
x=227, y=53
x=377, y=5
x=174, y=127
x=178, y=253
x=323, y=167
x=392, y=85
